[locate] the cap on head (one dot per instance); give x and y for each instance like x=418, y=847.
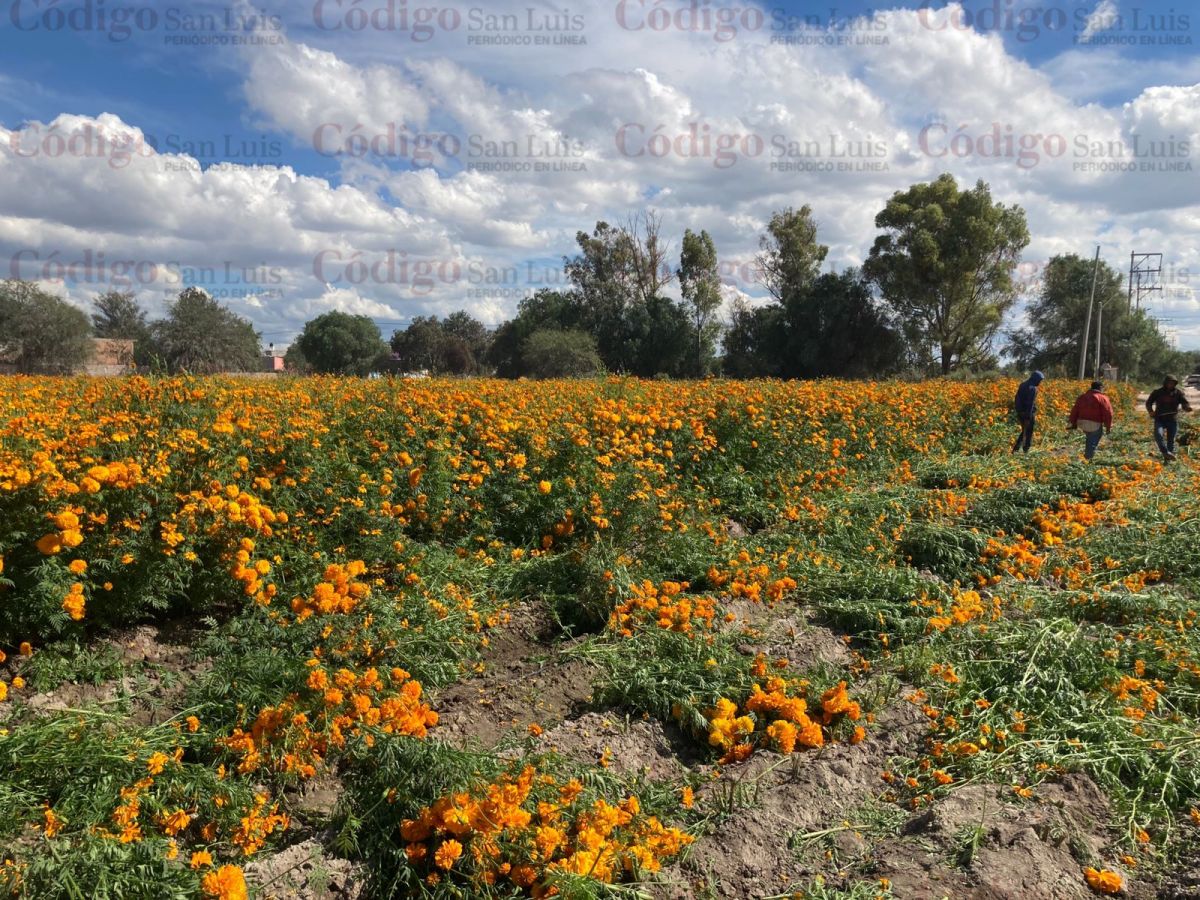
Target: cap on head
x=1170, y=379
x=1037, y=377
x=1097, y=386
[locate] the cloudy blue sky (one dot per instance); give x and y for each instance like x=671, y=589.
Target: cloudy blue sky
x=397, y=158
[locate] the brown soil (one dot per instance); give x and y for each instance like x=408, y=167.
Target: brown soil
x=1035, y=848
x=820, y=813
x=159, y=664
x=317, y=800
x=775, y=823
x=631, y=746
x=786, y=632
x=526, y=680
x=775, y=798
x=305, y=872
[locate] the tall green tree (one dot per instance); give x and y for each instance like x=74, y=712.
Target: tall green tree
x=546, y=309
x=817, y=325
x=616, y=275
x=342, y=344
x=118, y=315
x=42, y=333
x=561, y=353
x=790, y=256
x=466, y=343
x=295, y=362
x=754, y=342
x=601, y=274
x=834, y=328
x=419, y=347
x=700, y=284
x=201, y=336
x=456, y=345
x=660, y=338
x=1129, y=339
x=945, y=262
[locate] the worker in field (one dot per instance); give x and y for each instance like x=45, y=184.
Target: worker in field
x=1092, y=414
x=1025, y=407
x=1164, y=404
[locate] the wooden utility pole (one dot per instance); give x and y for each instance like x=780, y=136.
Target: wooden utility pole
x=1131, y=256
x=1087, y=326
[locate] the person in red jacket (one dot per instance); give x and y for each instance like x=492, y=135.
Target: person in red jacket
x=1092, y=415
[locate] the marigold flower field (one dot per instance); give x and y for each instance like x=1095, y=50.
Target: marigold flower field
x=813, y=639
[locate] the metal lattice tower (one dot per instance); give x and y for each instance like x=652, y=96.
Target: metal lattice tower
x=1144, y=272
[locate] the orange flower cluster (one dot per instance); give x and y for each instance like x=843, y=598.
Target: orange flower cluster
x=967, y=606
x=664, y=606
x=1069, y=520
x=1147, y=695
x=1017, y=558
x=337, y=593
x=521, y=829
x=68, y=534
x=295, y=737
x=258, y=824
x=784, y=718
x=75, y=603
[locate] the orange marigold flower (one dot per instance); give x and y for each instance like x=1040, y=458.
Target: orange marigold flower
x=75, y=606
x=53, y=823
x=1102, y=881
x=447, y=854
x=154, y=765
x=227, y=883
x=49, y=544
x=175, y=822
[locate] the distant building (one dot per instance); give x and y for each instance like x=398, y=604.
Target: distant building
x=272, y=359
x=110, y=356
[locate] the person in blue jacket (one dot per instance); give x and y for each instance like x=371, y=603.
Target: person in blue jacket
x=1025, y=407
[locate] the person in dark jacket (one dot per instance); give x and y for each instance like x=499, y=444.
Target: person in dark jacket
x=1025, y=407
x=1092, y=414
x=1164, y=404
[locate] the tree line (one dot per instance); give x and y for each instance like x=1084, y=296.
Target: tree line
x=42, y=333
x=930, y=298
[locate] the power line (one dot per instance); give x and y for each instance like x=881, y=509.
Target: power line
x=1143, y=271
